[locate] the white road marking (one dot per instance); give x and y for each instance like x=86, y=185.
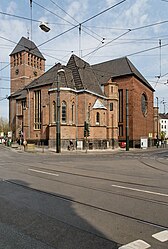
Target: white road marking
x=43, y=172
x=137, y=244
x=140, y=190
x=161, y=236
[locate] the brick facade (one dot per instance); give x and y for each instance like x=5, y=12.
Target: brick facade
x=140, y=125
x=85, y=95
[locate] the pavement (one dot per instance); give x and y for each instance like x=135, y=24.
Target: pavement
x=46, y=150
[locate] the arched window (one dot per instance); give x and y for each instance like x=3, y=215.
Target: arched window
x=64, y=112
x=54, y=112
x=97, y=118
x=89, y=109
x=73, y=112
x=144, y=104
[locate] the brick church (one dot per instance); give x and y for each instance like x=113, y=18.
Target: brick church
x=92, y=94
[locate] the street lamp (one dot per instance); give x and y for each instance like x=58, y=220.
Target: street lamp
x=44, y=26
x=58, y=127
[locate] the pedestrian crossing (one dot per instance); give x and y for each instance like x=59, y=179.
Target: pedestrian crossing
x=138, y=244
x=141, y=244
x=161, y=236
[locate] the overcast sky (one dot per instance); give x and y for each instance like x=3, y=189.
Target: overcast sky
x=109, y=29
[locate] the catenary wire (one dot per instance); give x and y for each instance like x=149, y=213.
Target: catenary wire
x=87, y=20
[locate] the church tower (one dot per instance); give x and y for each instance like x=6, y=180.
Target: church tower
x=26, y=64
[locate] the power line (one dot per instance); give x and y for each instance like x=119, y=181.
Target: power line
x=66, y=31
x=67, y=20
x=64, y=11
x=20, y=17
x=108, y=43
x=26, y=18
x=146, y=50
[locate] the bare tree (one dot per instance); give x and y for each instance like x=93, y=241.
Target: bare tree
x=4, y=125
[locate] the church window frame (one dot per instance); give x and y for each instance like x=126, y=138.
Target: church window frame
x=64, y=112
x=37, y=110
x=97, y=118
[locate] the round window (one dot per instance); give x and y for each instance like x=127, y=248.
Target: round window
x=144, y=104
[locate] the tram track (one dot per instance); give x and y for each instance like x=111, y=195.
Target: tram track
x=84, y=175
x=151, y=166
x=105, y=191
x=95, y=207
x=62, y=169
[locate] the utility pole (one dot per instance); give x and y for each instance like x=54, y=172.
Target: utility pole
x=58, y=127
x=31, y=19
x=127, y=122
x=157, y=140
x=112, y=119
x=80, y=34
x=160, y=45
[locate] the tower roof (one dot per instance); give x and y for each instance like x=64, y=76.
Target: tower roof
x=26, y=45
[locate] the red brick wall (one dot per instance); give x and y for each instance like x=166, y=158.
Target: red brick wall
x=139, y=125
x=26, y=72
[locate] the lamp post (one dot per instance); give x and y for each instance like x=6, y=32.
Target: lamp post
x=127, y=121
x=58, y=127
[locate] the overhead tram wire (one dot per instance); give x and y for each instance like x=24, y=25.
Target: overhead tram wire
x=132, y=29
x=67, y=20
x=26, y=18
x=66, y=31
x=158, y=23
x=108, y=42
x=63, y=18
x=20, y=17
x=150, y=25
x=80, y=27
x=75, y=20
x=52, y=12
x=146, y=50
x=147, y=26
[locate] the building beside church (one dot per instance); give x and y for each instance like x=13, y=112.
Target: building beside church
x=163, y=120
x=95, y=94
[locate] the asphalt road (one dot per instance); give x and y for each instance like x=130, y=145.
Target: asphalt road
x=78, y=200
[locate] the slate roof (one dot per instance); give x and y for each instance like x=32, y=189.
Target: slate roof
x=26, y=45
x=118, y=68
x=50, y=78
x=163, y=116
x=79, y=75
x=19, y=94
x=84, y=76
x=45, y=79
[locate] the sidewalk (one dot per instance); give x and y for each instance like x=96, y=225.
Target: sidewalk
x=46, y=150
